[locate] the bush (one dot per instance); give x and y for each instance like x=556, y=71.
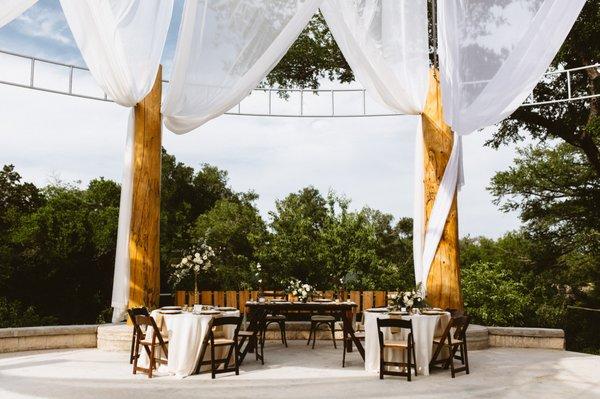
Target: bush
x=14, y=314
x=492, y=297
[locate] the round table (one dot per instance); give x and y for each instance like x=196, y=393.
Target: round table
x=425, y=328
x=186, y=332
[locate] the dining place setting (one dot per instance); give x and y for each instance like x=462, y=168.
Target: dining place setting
x=405, y=338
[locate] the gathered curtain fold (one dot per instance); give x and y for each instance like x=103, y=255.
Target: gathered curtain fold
x=11, y=9
x=225, y=48
x=492, y=53
x=122, y=44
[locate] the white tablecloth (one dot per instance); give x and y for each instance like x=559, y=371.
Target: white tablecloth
x=425, y=327
x=186, y=334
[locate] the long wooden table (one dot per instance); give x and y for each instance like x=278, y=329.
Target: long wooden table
x=345, y=310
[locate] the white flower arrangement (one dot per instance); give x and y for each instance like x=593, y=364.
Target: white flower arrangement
x=409, y=299
x=196, y=259
x=299, y=290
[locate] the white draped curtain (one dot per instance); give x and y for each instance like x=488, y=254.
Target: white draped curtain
x=386, y=45
x=11, y=9
x=225, y=48
x=121, y=42
x=492, y=54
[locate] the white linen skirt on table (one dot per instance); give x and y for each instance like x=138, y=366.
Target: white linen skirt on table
x=425, y=328
x=186, y=334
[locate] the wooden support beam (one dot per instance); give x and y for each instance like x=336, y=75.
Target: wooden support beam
x=144, y=233
x=443, y=283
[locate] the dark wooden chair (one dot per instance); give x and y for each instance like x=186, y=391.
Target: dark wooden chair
x=407, y=347
x=211, y=341
x=318, y=320
x=252, y=337
x=133, y=312
x=150, y=344
x=453, y=342
x=280, y=319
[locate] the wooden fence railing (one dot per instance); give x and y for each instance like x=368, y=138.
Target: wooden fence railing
x=238, y=299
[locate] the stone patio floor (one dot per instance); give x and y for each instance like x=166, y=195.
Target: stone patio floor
x=299, y=372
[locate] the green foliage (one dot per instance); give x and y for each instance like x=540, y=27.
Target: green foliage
x=14, y=314
x=318, y=241
x=62, y=252
x=234, y=229
x=492, y=297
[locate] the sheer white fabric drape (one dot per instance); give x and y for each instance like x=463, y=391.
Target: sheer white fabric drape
x=225, y=49
x=11, y=9
x=386, y=44
x=492, y=54
x=121, y=42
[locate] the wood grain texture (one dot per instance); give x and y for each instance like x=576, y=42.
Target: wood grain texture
x=144, y=233
x=443, y=282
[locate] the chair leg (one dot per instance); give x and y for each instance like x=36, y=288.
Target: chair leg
x=381, y=363
x=237, y=363
x=152, y=362
x=315, y=334
x=262, y=352
x=409, y=368
x=283, y=335
x=414, y=358
x=312, y=324
x=344, y=353
x=213, y=366
x=466, y=358
x=132, y=347
x=137, y=356
x=333, y=334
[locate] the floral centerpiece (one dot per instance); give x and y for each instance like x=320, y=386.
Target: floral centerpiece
x=412, y=299
x=299, y=290
x=197, y=258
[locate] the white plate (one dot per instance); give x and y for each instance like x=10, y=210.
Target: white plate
x=170, y=311
x=378, y=310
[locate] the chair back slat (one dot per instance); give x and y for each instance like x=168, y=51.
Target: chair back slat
x=226, y=321
x=460, y=325
x=397, y=323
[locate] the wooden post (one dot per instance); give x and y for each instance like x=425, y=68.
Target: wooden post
x=443, y=282
x=144, y=244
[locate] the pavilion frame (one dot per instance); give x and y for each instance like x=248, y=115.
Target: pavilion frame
x=443, y=284
x=444, y=276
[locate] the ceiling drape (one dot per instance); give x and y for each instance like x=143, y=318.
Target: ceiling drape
x=121, y=42
x=11, y=9
x=492, y=54
x=225, y=48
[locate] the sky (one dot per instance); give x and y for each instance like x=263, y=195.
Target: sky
x=50, y=137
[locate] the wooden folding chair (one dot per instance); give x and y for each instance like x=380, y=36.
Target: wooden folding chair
x=211, y=341
x=452, y=342
x=407, y=347
x=133, y=312
x=252, y=337
x=278, y=318
x=150, y=345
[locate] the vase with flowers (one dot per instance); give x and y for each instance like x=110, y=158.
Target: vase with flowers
x=197, y=258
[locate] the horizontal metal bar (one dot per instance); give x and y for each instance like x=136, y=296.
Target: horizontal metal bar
x=55, y=91
x=317, y=115
x=270, y=90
